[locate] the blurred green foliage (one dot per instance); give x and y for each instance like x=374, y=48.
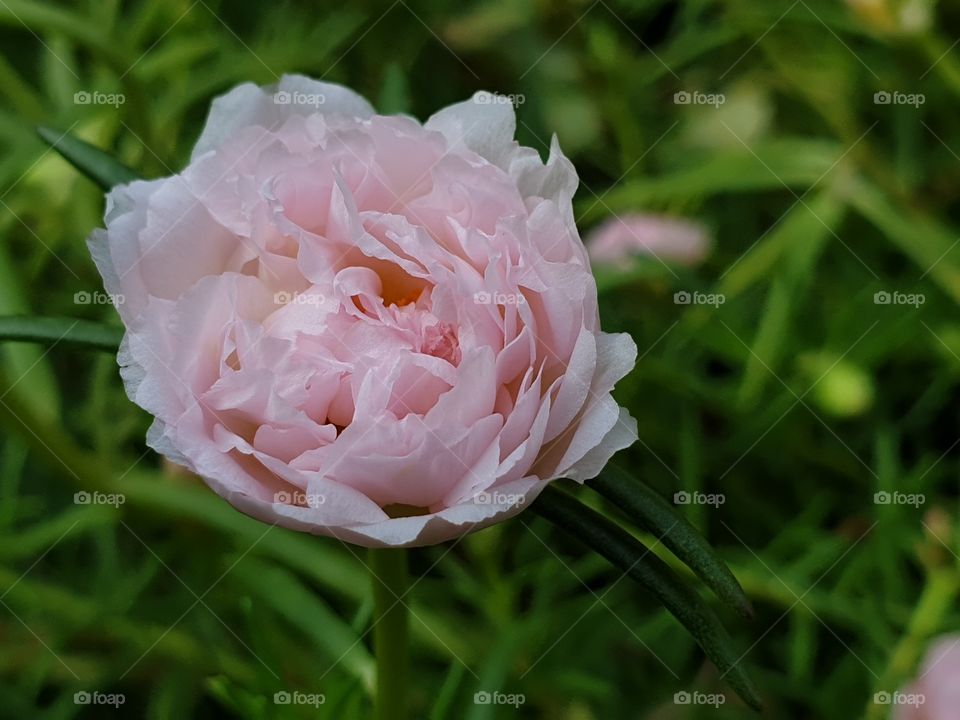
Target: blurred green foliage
x=798, y=398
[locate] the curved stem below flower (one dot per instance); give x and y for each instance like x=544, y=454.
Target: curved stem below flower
x=388, y=568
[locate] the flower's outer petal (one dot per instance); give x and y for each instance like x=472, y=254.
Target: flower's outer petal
x=556, y=180
x=604, y=428
x=249, y=105
x=486, y=128
x=622, y=435
x=116, y=250
x=416, y=531
x=616, y=356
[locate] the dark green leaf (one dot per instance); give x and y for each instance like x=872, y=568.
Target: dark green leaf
x=648, y=508
x=636, y=561
x=53, y=331
x=101, y=167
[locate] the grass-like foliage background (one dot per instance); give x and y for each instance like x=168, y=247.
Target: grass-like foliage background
x=799, y=398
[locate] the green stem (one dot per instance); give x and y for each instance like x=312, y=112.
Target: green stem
x=388, y=568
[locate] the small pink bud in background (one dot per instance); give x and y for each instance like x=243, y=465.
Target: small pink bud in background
x=672, y=240
x=669, y=239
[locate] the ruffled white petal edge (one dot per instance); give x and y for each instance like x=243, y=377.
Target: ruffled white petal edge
x=115, y=249
x=486, y=125
x=416, y=531
x=268, y=106
x=480, y=124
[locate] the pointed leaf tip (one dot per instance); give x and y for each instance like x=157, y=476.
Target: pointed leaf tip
x=635, y=560
x=98, y=165
x=647, y=507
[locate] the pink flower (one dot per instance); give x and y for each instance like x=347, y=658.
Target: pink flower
x=360, y=326
x=669, y=239
x=935, y=694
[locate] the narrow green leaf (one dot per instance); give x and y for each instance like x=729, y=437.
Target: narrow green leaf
x=796, y=240
x=635, y=560
x=39, y=599
x=931, y=245
x=446, y=696
x=319, y=562
x=48, y=18
x=643, y=504
x=772, y=165
x=304, y=609
x=495, y=672
x=54, y=330
x=769, y=343
x=37, y=385
x=34, y=539
x=101, y=167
